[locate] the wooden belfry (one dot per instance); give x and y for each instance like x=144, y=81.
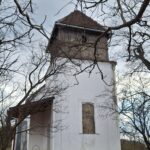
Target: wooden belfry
x=75, y=35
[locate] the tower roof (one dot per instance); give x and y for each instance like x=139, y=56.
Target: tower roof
x=79, y=19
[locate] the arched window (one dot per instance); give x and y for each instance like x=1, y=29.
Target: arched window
x=88, y=122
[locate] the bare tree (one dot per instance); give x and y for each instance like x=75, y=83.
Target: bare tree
x=17, y=29
x=33, y=76
x=130, y=29
x=134, y=104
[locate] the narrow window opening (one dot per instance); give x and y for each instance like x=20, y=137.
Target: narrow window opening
x=84, y=39
x=88, y=122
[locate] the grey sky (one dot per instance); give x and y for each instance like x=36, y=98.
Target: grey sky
x=50, y=8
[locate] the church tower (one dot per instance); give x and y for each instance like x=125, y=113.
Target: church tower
x=76, y=108
x=86, y=113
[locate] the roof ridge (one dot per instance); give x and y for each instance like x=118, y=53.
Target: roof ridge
x=78, y=18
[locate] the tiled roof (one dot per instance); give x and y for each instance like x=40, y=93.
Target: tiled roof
x=78, y=18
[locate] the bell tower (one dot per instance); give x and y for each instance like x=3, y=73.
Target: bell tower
x=74, y=37
x=86, y=110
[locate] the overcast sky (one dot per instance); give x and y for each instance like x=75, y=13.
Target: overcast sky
x=50, y=8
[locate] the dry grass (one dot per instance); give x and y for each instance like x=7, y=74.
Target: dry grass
x=131, y=145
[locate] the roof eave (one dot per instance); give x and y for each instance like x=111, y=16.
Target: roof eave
x=79, y=27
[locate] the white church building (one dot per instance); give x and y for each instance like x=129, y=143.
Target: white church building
x=82, y=116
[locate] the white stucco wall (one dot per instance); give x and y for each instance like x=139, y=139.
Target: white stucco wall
x=68, y=114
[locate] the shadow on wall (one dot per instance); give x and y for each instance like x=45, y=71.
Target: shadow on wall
x=131, y=145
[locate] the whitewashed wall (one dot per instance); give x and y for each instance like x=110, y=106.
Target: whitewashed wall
x=90, y=88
